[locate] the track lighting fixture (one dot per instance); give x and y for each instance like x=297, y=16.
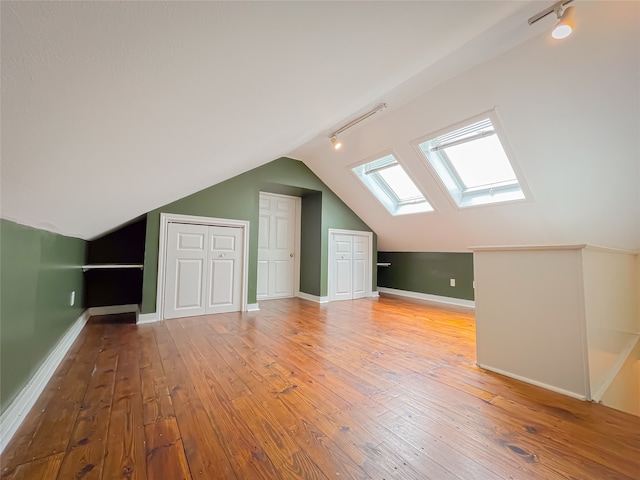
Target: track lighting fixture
x=565, y=24
x=337, y=144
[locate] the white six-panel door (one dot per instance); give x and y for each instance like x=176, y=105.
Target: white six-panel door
x=203, y=270
x=276, y=246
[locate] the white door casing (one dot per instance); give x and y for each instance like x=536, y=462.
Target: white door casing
x=278, y=246
x=216, y=242
x=349, y=269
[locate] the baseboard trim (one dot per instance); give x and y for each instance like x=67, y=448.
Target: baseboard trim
x=253, y=307
x=615, y=369
x=13, y=416
x=568, y=393
x=114, y=309
x=428, y=297
x=147, y=318
x=313, y=298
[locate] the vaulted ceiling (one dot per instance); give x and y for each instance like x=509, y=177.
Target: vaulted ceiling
x=112, y=109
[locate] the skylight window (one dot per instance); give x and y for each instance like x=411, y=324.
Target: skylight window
x=389, y=182
x=472, y=163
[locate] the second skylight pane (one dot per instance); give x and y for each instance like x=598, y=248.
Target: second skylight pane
x=481, y=162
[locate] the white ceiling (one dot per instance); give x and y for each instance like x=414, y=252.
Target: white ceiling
x=112, y=109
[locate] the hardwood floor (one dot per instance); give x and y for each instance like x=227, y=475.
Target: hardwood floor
x=370, y=389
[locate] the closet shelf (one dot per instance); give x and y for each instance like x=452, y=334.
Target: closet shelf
x=97, y=266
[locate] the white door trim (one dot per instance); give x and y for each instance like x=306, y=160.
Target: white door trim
x=166, y=218
x=337, y=231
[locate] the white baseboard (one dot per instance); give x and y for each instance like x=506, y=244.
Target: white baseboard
x=113, y=310
x=599, y=391
x=253, y=307
x=313, y=298
x=374, y=294
x=431, y=298
x=15, y=413
x=568, y=393
x=147, y=318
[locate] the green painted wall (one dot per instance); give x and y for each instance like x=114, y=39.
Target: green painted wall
x=311, y=243
x=38, y=272
x=426, y=272
x=237, y=198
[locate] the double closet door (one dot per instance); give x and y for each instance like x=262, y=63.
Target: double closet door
x=203, y=270
x=349, y=266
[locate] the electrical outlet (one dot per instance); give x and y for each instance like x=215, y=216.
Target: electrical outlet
x=452, y=282
x=72, y=300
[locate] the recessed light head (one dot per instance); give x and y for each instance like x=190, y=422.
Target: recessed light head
x=337, y=144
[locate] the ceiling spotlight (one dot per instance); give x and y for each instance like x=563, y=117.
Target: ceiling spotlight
x=337, y=144
x=565, y=26
x=565, y=16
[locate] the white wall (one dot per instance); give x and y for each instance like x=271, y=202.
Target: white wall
x=529, y=316
x=564, y=317
x=611, y=312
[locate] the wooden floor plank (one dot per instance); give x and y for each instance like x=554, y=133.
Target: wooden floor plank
x=125, y=446
x=85, y=454
x=381, y=388
x=156, y=399
x=46, y=429
x=202, y=443
x=165, y=451
x=42, y=469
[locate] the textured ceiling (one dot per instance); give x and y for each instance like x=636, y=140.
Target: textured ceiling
x=111, y=109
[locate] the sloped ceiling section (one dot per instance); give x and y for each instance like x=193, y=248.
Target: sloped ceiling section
x=111, y=109
x=571, y=112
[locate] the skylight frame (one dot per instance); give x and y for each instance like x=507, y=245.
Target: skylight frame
x=450, y=181
x=377, y=186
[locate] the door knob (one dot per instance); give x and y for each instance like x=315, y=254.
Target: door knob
x=222, y=255
x=291, y=255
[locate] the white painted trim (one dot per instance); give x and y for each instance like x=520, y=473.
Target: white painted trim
x=147, y=318
x=460, y=302
x=527, y=247
x=586, y=378
x=253, y=307
x=15, y=413
x=534, y=382
x=358, y=233
x=166, y=218
x=313, y=298
x=374, y=294
x=113, y=310
x=615, y=369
